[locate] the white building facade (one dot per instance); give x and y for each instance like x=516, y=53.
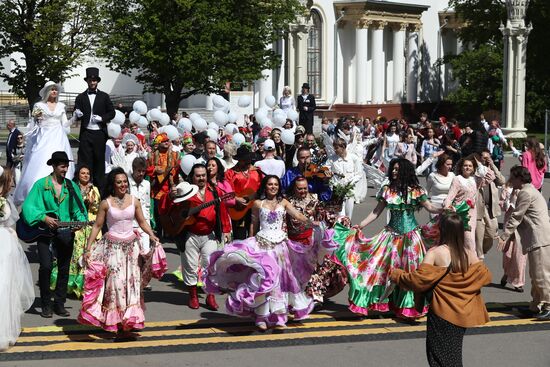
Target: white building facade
x=351, y=52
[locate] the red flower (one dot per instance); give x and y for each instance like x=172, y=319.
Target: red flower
x=470, y=203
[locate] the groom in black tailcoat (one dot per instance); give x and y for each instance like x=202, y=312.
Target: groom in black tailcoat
x=94, y=109
x=306, y=105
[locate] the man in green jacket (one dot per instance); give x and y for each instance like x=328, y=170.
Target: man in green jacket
x=54, y=199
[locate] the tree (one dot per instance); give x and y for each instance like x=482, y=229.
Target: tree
x=482, y=19
x=479, y=74
x=50, y=35
x=185, y=47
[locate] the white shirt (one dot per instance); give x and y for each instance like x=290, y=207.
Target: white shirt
x=143, y=193
x=272, y=166
x=438, y=187
x=92, y=125
x=346, y=170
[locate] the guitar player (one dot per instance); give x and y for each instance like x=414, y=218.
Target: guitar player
x=200, y=239
x=57, y=196
x=245, y=180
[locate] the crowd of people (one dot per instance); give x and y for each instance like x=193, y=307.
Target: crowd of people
x=268, y=221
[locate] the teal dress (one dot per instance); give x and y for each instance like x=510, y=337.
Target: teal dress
x=400, y=245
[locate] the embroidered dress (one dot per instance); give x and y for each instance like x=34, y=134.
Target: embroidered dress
x=369, y=260
x=264, y=275
x=116, y=302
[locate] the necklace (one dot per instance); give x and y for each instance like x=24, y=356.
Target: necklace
x=119, y=202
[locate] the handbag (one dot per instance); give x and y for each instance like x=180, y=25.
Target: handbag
x=423, y=298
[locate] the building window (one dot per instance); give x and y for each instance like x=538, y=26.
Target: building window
x=314, y=45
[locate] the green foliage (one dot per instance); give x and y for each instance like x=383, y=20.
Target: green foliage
x=483, y=19
x=52, y=36
x=185, y=47
x=479, y=74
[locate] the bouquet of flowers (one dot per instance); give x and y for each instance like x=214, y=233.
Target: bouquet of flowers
x=341, y=192
x=3, y=202
x=37, y=113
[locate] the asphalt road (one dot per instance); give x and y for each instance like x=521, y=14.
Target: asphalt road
x=334, y=337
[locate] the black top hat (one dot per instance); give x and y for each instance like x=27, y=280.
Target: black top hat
x=92, y=73
x=305, y=86
x=243, y=154
x=58, y=157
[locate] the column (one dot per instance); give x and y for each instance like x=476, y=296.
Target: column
x=265, y=84
x=412, y=62
x=301, y=60
x=361, y=54
x=378, y=63
x=399, y=62
x=509, y=82
x=519, y=121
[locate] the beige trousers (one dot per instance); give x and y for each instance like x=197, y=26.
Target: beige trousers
x=486, y=231
x=539, y=271
x=196, y=247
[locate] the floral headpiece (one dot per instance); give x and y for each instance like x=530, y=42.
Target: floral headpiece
x=161, y=138
x=187, y=138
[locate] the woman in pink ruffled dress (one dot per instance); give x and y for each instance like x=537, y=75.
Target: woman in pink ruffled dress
x=115, y=275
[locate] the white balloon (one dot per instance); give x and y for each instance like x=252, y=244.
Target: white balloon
x=213, y=126
x=172, y=132
x=244, y=101
x=164, y=119
x=260, y=113
x=148, y=116
x=231, y=129
x=270, y=101
x=200, y=125
x=293, y=115
x=287, y=136
x=119, y=118
x=134, y=116
x=155, y=114
x=219, y=101
x=113, y=130
x=187, y=162
x=279, y=120
x=185, y=125
x=194, y=116
x=220, y=117
x=238, y=139
x=232, y=117
x=212, y=134
x=140, y=107
x=142, y=122
x=266, y=123
x=160, y=130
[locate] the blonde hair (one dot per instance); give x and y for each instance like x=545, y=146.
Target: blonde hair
x=48, y=91
x=286, y=88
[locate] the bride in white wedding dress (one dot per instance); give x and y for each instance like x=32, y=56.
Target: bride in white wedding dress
x=46, y=135
x=16, y=285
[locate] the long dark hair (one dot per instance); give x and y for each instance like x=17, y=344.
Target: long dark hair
x=406, y=177
x=533, y=145
x=261, y=191
x=110, y=184
x=79, y=168
x=451, y=228
x=220, y=176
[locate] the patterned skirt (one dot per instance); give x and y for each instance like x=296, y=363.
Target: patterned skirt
x=443, y=342
x=369, y=262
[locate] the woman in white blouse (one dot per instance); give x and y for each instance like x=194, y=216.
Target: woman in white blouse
x=286, y=102
x=439, y=182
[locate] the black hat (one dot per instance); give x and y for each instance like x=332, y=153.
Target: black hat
x=58, y=157
x=243, y=154
x=305, y=86
x=92, y=73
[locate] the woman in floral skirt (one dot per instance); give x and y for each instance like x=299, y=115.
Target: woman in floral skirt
x=399, y=245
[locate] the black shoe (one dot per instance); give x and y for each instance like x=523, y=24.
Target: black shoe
x=46, y=312
x=504, y=280
x=543, y=315
x=519, y=289
x=148, y=288
x=61, y=311
x=526, y=312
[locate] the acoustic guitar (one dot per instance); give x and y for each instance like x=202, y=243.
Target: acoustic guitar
x=30, y=234
x=238, y=211
x=181, y=216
